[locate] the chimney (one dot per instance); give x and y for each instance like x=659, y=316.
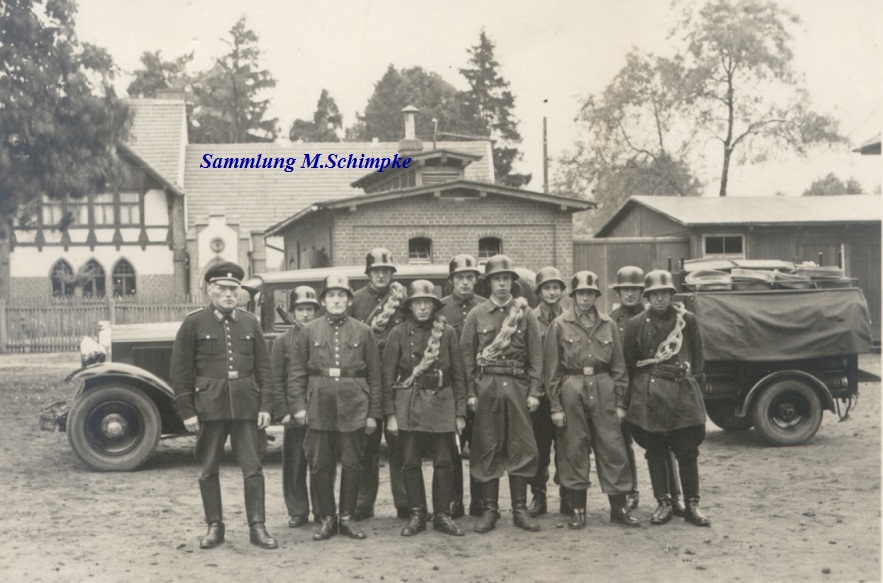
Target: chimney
x=410, y=143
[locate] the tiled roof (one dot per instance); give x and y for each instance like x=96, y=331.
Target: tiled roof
x=259, y=198
x=159, y=135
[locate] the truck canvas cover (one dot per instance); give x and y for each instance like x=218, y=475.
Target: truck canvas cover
x=781, y=325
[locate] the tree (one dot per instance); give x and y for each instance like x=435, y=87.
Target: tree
x=831, y=185
x=324, y=126
x=490, y=102
x=61, y=120
x=748, y=96
x=159, y=75
x=227, y=109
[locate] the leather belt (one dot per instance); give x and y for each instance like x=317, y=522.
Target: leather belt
x=513, y=371
x=587, y=371
x=231, y=374
x=669, y=371
x=336, y=373
x=429, y=380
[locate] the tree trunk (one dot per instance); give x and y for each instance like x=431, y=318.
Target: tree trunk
x=725, y=172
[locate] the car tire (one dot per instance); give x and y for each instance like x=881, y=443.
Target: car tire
x=114, y=427
x=787, y=412
x=723, y=414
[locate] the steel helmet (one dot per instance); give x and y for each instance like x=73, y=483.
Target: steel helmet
x=499, y=264
x=336, y=281
x=547, y=275
x=658, y=279
x=584, y=280
x=379, y=257
x=629, y=276
x=421, y=288
x=463, y=263
x=302, y=294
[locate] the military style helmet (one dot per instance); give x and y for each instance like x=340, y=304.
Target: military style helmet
x=302, y=294
x=499, y=264
x=548, y=275
x=629, y=276
x=463, y=263
x=421, y=288
x=379, y=257
x=658, y=279
x=584, y=280
x=336, y=281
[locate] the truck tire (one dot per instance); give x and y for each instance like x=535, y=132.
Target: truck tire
x=114, y=427
x=724, y=416
x=787, y=412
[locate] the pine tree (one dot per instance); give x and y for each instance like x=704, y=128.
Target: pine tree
x=324, y=126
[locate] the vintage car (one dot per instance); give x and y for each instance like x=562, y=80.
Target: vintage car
x=124, y=402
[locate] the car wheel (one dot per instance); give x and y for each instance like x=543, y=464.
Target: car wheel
x=787, y=412
x=723, y=414
x=114, y=427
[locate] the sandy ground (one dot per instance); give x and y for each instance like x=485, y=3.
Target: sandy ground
x=809, y=513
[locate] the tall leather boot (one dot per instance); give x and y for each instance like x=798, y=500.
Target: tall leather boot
x=396, y=478
x=490, y=494
x=659, y=481
x=538, y=502
x=476, y=500
x=442, y=489
x=416, y=491
x=456, y=509
x=578, y=500
x=618, y=511
x=349, y=492
x=210, y=491
x=322, y=484
x=690, y=479
x=254, y=510
x=369, y=479
x=674, y=484
x=566, y=507
x=520, y=516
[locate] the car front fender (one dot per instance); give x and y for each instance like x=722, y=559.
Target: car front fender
x=119, y=370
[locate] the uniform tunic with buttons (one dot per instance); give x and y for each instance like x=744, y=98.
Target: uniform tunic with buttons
x=455, y=309
x=435, y=409
x=335, y=403
x=368, y=303
x=502, y=437
x=220, y=367
x=621, y=315
x=588, y=399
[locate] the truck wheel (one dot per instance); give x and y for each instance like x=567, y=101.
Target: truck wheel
x=724, y=416
x=787, y=412
x=114, y=427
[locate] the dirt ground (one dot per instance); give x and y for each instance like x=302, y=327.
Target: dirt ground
x=809, y=513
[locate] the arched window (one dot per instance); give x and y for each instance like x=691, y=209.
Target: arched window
x=123, y=279
x=420, y=250
x=62, y=277
x=488, y=247
x=92, y=278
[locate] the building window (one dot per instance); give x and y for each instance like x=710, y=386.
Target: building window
x=92, y=280
x=488, y=247
x=420, y=250
x=104, y=209
x=62, y=277
x=123, y=279
x=724, y=246
x=130, y=208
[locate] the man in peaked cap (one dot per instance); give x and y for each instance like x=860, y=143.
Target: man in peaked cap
x=223, y=384
x=335, y=390
x=303, y=304
x=463, y=273
x=377, y=305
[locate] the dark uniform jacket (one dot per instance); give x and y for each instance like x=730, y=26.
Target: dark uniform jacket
x=525, y=349
x=221, y=367
x=656, y=402
x=455, y=310
x=621, y=314
x=335, y=375
x=569, y=345
x=280, y=357
x=438, y=396
x=545, y=317
x=368, y=303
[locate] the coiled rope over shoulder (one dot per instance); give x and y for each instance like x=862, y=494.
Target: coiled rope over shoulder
x=430, y=355
x=671, y=345
x=493, y=350
x=391, y=303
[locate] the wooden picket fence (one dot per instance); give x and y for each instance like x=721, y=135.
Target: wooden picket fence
x=31, y=326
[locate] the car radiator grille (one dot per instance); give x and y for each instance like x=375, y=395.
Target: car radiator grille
x=154, y=359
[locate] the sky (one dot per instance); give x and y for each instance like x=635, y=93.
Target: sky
x=553, y=53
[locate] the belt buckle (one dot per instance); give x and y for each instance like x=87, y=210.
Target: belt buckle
x=588, y=370
x=233, y=374
x=334, y=372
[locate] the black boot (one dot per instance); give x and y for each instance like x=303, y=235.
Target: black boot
x=442, y=490
x=442, y=522
x=210, y=490
x=578, y=504
x=694, y=515
x=254, y=509
x=520, y=516
x=538, y=503
x=476, y=501
x=328, y=528
x=369, y=479
x=415, y=491
x=349, y=491
x=675, y=477
x=456, y=507
x=490, y=495
x=618, y=511
x=417, y=523
x=677, y=507
x=566, y=507
x=662, y=514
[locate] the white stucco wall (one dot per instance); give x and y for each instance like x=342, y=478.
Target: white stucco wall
x=29, y=262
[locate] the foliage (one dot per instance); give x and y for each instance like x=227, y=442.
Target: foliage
x=831, y=185
x=159, y=75
x=324, y=126
x=227, y=108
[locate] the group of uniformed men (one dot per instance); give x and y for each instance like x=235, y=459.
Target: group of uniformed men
x=435, y=375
